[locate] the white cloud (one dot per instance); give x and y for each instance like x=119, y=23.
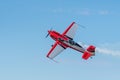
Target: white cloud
x=84, y=11
x=104, y=12
x=72, y=11
x=58, y=10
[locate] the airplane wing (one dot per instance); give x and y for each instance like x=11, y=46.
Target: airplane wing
x=55, y=50
x=70, y=31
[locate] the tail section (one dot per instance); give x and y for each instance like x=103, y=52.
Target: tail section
x=90, y=51
x=86, y=55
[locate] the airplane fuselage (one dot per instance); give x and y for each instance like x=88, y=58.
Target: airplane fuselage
x=65, y=41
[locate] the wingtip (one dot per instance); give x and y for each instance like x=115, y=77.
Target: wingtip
x=47, y=56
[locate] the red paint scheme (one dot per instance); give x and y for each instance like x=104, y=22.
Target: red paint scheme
x=52, y=49
x=57, y=36
x=91, y=48
x=86, y=55
x=68, y=28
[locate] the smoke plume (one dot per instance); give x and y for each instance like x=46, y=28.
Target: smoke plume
x=107, y=48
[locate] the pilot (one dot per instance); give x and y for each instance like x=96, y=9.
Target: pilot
x=71, y=42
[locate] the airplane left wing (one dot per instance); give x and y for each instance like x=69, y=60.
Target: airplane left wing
x=55, y=50
x=70, y=31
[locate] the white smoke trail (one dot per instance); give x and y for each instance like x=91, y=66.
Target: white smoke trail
x=110, y=49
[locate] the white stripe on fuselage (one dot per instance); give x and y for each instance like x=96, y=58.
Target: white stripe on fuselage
x=73, y=46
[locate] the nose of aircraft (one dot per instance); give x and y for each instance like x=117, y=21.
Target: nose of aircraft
x=49, y=31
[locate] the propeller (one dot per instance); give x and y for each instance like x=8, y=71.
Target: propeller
x=48, y=33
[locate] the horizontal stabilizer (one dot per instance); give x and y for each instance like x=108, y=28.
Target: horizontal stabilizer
x=86, y=55
x=89, y=52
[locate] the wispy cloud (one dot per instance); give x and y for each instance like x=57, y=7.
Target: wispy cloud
x=72, y=11
x=103, y=12
x=82, y=11
x=58, y=10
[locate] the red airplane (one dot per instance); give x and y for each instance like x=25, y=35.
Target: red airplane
x=65, y=40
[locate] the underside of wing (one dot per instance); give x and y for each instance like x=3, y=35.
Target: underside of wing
x=55, y=50
x=70, y=31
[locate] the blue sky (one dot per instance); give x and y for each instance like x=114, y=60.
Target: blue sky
x=23, y=46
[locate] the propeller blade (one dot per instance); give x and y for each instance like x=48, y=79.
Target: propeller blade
x=47, y=35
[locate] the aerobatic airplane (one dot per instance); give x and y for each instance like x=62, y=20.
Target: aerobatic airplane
x=65, y=40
